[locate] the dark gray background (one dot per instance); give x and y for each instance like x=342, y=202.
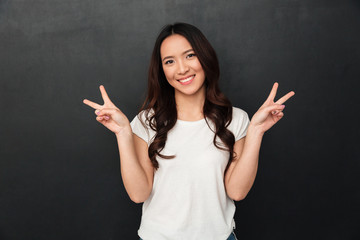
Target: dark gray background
x=59, y=168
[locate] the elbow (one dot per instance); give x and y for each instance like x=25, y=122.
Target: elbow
x=136, y=200
x=139, y=194
x=238, y=196
x=237, y=193
x=139, y=198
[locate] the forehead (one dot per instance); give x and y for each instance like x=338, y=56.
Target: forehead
x=173, y=45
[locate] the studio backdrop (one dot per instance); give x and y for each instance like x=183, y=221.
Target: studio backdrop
x=59, y=168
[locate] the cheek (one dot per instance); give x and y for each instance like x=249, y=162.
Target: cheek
x=198, y=68
x=168, y=73
x=196, y=65
x=169, y=76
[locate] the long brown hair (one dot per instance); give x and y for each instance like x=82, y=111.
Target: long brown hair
x=160, y=97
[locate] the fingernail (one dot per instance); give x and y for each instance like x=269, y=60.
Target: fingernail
x=106, y=117
x=283, y=106
x=97, y=112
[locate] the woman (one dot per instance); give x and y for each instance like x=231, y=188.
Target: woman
x=186, y=155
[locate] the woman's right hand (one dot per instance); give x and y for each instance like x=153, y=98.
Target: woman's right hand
x=108, y=114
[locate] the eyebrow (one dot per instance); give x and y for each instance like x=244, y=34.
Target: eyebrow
x=190, y=50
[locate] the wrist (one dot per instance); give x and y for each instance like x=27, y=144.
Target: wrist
x=124, y=132
x=255, y=130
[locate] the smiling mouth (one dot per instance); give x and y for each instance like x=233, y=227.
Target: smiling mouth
x=187, y=79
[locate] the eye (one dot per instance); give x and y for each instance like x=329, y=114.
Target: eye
x=169, y=61
x=191, y=55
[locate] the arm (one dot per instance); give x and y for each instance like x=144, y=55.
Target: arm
x=241, y=173
x=135, y=166
x=136, y=169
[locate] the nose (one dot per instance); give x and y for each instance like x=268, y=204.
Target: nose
x=182, y=67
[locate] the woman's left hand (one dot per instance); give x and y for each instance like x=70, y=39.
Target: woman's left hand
x=270, y=112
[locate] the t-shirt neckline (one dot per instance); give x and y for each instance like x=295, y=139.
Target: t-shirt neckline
x=191, y=122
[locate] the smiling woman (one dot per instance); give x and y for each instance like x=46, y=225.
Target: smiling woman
x=182, y=68
x=186, y=155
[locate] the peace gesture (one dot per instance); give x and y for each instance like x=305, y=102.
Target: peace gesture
x=108, y=114
x=270, y=112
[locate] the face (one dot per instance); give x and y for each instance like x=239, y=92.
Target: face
x=181, y=66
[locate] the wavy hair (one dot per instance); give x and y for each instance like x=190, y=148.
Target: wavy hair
x=160, y=105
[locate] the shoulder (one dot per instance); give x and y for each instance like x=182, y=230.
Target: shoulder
x=141, y=127
x=239, y=123
x=145, y=115
x=239, y=113
x=142, y=118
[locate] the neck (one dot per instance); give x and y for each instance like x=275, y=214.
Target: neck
x=190, y=107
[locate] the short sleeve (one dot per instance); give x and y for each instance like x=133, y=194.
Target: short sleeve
x=142, y=129
x=239, y=123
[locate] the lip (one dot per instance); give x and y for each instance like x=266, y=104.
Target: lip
x=188, y=82
x=185, y=77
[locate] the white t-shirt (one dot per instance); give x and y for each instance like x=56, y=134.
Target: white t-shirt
x=188, y=200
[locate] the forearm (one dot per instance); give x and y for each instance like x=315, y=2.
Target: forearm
x=243, y=175
x=132, y=173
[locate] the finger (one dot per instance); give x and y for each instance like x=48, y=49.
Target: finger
x=106, y=117
x=279, y=115
x=272, y=94
x=106, y=111
x=285, y=98
x=274, y=108
x=92, y=104
x=275, y=112
x=102, y=118
x=104, y=94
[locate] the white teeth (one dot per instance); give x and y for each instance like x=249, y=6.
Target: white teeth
x=187, y=79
